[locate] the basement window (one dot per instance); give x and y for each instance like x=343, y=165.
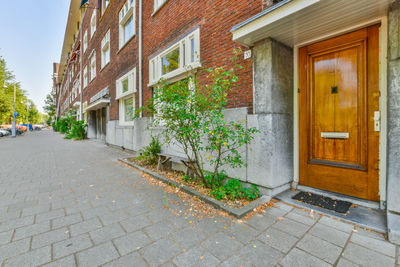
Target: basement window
x=179, y=58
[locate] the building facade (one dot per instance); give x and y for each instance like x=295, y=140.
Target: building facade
x=320, y=80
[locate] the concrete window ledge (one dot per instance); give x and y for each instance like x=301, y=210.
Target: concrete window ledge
x=238, y=213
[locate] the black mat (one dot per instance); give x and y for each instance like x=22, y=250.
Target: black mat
x=323, y=202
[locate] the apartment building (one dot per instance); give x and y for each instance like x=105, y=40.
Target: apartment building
x=320, y=80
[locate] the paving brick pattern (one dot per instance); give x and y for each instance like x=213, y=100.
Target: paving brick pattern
x=68, y=203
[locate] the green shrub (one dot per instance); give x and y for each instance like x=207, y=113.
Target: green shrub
x=78, y=130
x=150, y=152
x=234, y=189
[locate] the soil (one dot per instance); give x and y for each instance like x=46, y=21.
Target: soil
x=178, y=176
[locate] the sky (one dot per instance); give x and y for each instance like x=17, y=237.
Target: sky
x=31, y=39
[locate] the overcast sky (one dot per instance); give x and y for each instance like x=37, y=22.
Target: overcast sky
x=31, y=38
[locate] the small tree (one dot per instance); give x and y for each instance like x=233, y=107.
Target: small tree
x=191, y=115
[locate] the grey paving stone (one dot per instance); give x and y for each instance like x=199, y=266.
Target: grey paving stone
x=63, y=204
x=366, y=257
x=107, y=233
x=196, y=257
x=35, y=210
x=130, y=260
x=136, y=223
x=296, y=257
x=138, y=209
x=49, y=238
x=131, y=242
x=15, y=248
x=342, y=226
x=50, y=215
x=13, y=224
x=260, y=254
x=330, y=234
x=242, y=232
x=278, y=239
x=235, y=261
x=84, y=207
x=5, y=237
x=159, y=215
x=21, y=205
x=66, y=220
x=31, y=230
x=370, y=233
x=222, y=246
x=97, y=255
x=380, y=246
x=93, y=212
x=261, y=222
x=346, y=263
x=64, y=262
x=6, y=216
x=320, y=248
x=291, y=227
x=160, y=252
x=71, y=246
x=210, y=225
x=85, y=226
x=296, y=216
x=283, y=206
x=32, y=258
x=160, y=230
x=188, y=237
x=113, y=217
x=275, y=212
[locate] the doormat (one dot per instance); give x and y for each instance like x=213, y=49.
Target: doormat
x=323, y=202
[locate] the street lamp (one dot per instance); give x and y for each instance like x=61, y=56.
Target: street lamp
x=13, y=130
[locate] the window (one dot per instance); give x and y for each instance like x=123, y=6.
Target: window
x=126, y=22
x=125, y=93
x=179, y=58
x=85, y=42
x=126, y=84
x=104, y=5
x=85, y=77
x=92, y=65
x=105, y=50
x=93, y=23
x=158, y=4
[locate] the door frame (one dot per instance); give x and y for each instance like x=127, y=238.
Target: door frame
x=383, y=46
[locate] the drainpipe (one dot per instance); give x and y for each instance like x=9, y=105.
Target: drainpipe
x=80, y=67
x=140, y=57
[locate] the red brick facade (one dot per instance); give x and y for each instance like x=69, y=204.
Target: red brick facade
x=161, y=29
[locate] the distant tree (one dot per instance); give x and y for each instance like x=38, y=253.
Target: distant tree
x=49, y=108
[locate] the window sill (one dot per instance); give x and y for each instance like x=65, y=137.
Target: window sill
x=178, y=74
x=103, y=67
x=126, y=43
x=158, y=8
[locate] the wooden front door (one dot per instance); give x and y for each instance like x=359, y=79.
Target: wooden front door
x=338, y=97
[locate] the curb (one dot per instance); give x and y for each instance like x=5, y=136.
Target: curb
x=238, y=213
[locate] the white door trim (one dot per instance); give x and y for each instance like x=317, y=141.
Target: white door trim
x=383, y=47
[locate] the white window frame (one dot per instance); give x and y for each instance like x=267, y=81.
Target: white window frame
x=104, y=5
x=93, y=23
x=85, y=41
x=122, y=121
x=131, y=76
x=105, y=45
x=122, y=96
x=85, y=76
x=185, y=58
x=127, y=11
x=158, y=4
x=92, y=61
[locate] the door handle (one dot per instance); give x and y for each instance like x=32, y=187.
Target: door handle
x=377, y=121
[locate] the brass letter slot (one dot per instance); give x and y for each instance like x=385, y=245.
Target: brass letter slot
x=335, y=135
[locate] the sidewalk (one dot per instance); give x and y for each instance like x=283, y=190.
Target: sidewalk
x=70, y=203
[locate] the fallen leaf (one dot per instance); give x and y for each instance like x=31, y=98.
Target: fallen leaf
x=254, y=246
x=281, y=218
x=201, y=257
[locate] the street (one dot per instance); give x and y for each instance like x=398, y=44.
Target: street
x=71, y=203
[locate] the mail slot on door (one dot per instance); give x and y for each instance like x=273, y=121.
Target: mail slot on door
x=335, y=135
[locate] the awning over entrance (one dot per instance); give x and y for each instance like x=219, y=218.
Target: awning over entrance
x=296, y=21
x=101, y=103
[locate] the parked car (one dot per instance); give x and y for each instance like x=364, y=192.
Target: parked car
x=4, y=132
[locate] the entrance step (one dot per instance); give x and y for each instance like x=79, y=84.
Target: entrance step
x=371, y=218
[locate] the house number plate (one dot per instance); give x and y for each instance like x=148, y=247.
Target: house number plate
x=335, y=135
